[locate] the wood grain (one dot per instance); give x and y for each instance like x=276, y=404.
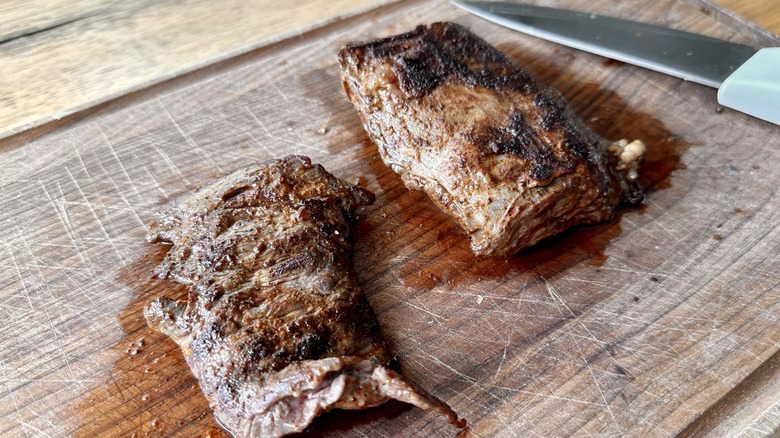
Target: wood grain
x=661, y=322
x=62, y=57
x=763, y=13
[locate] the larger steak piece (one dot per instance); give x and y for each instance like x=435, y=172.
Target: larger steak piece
x=275, y=327
x=504, y=156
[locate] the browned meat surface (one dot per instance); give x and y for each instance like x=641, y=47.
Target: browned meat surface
x=504, y=156
x=275, y=327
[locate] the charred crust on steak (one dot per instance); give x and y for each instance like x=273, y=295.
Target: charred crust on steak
x=441, y=53
x=275, y=326
x=506, y=157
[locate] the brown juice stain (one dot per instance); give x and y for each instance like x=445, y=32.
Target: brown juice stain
x=612, y=63
x=546, y=260
x=151, y=392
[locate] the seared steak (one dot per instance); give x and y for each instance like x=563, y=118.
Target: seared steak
x=504, y=156
x=275, y=327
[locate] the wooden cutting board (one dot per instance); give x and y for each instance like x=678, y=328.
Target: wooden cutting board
x=663, y=321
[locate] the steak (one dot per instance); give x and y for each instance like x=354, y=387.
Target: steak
x=501, y=154
x=275, y=326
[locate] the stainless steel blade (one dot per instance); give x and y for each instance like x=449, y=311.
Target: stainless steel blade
x=693, y=57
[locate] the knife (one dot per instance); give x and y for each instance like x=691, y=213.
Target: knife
x=748, y=80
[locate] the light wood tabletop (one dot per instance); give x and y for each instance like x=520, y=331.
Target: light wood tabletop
x=61, y=56
x=661, y=322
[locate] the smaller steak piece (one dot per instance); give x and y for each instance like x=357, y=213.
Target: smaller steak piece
x=505, y=157
x=275, y=327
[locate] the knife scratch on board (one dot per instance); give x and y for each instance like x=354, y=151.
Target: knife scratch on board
x=171, y=165
x=119, y=160
x=507, y=344
x=439, y=319
x=214, y=165
x=61, y=210
x=279, y=137
x=461, y=375
x=556, y=298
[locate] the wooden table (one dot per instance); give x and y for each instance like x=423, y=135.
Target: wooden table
x=61, y=56
x=72, y=71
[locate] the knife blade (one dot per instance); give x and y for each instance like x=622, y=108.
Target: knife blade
x=747, y=79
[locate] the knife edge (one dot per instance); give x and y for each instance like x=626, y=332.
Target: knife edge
x=692, y=57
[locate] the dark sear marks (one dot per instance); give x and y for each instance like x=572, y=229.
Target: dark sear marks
x=275, y=327
x=504, y=156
